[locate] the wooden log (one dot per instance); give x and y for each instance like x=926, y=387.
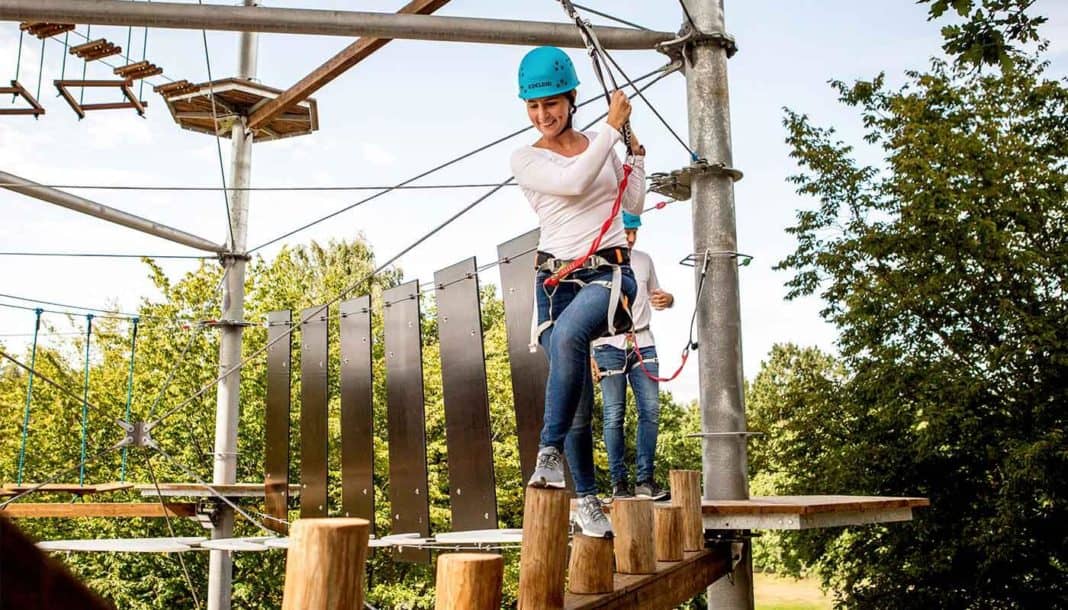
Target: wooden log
x=543, y=557
x=668, y=526
x=591, y=566
x=325, y=564
x=469, y=581
x=632, y=522
x=686, y=492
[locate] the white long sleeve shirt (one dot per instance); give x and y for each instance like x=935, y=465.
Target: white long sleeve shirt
x=573, y=196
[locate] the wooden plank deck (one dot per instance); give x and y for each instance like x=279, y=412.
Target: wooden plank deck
x=27, y=510
x=196, y=490
x=672, y=584
x=72, y=488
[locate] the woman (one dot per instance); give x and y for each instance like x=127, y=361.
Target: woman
x=571, y=179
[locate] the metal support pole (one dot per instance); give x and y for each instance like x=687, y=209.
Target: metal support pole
x=718, y=314
x=227, y=406
x=99, y=210
x=349, y=24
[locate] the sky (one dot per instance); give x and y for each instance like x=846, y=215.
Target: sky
x=413, y=105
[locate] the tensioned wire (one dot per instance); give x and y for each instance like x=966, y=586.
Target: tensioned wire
x=428, y=172
x=318, y=310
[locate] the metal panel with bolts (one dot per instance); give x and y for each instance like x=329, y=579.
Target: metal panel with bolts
x=406, y=419
x=276, y=419
x=357, y=428
x=529, y=369
x=472, y=487
x=314, y=439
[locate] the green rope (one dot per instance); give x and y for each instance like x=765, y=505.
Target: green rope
x=144, y=54
x=129, y=60
x=40, y=69
x=129, y=390
x=66, y=47
x=29, y=396
x=18, y=62
x=85, y=397
x=85, y=64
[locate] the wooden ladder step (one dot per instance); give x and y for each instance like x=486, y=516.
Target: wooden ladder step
x=95, y=49
x=138, y=70
x=44, y=30
x=178, y=87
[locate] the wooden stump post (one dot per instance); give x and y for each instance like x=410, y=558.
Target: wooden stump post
x=590, y=570
x=668, y=533
x=543, y=558
x=325, y=564
x=469, y=581
x=686, y=492
x=632, y=522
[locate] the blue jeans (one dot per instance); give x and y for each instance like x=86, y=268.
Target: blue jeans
x=646, y=395
x=580, y=315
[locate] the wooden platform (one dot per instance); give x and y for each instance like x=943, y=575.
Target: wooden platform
x=807, y=512
x=27, y=510
x=196, y=490
x=672, y=584
x=69, y=488
x=803, y=512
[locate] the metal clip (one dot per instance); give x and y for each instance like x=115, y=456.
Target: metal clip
x=138, y=434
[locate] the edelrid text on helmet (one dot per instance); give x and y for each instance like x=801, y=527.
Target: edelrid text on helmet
x=544, y=72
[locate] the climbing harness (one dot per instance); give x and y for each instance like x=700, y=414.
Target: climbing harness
x=29, y=395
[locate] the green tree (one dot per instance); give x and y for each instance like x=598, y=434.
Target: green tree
x=944, y=267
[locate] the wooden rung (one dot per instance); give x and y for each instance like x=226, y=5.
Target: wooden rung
x=80, y=109
x=36, y=109
x=71, y=488
x=139, y=70
x=95, y=49
x=44, y=30
x=25, y=510
x=179, y=87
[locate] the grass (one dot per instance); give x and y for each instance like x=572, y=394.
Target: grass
x=778, y=593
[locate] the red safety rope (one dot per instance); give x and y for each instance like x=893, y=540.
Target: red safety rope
x=641, y=363
x=555, y=278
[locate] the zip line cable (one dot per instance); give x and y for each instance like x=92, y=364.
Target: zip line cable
x=610, y=17
x=421, y=175
x=360, y=187
x=318, y=310
x=109, y=255
x=218, y=140
x=170, y=526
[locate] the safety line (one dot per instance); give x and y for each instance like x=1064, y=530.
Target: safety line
x=422, y=175
x=319, y=310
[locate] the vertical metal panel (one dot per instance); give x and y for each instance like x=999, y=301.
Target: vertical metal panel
x=313, y=412
x=529, y=369
x=357, y=429
x=410, y=509
x=472, y=487
x=276, y=419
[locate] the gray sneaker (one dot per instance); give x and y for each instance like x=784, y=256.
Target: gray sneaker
x=649, y=489
x=548, y=470
x=590, y=519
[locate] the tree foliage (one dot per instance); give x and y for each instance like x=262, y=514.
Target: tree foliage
x=175, y=358
x=944, y=267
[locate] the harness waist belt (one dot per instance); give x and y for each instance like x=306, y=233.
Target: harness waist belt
x=617, y=255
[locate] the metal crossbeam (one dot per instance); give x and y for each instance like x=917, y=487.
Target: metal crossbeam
x=329, y=23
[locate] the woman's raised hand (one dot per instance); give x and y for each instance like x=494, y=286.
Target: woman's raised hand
x=618, y=110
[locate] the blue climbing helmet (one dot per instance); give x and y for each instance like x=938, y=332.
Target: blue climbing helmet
x=631, y=221
x=544, y=72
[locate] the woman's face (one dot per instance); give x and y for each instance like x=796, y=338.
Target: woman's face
x=549, y=114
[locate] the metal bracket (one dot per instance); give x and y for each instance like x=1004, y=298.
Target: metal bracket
x=691, y=259
x=137, y=434
x=207, y=513
x=226, y=323
x=234, y=256
x=676, y=47
x=744, y=435
x=676, y=184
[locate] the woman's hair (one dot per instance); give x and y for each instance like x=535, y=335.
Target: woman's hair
x=571, y=97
